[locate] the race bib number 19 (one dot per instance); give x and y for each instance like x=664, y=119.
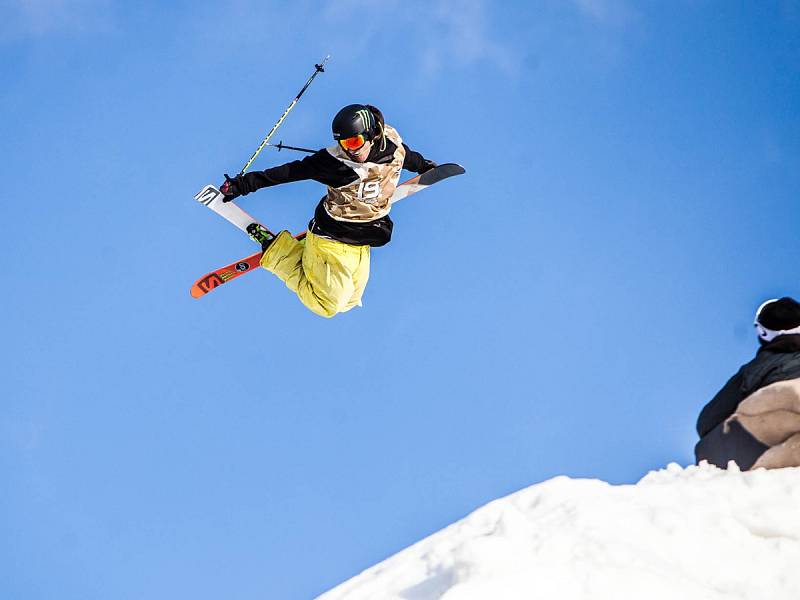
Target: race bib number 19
x=368, y=190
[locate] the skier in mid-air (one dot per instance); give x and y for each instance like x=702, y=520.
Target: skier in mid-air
x=329, y=268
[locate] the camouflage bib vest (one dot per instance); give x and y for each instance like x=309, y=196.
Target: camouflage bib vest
x=367, y=198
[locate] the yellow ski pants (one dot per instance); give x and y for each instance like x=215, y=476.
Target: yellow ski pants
x=328, y=276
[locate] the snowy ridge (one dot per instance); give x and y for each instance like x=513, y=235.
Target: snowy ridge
x=698, y=533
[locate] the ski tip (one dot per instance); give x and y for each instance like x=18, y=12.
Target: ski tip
x=441, y=172
x=206, y=284
x=454, y=168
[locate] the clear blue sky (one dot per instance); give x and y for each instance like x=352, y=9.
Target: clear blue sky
x=566, y=307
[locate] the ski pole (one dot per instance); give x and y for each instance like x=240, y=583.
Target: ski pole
x=320, y=68
x=280, y=146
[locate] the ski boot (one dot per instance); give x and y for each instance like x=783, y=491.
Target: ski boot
x=261, y=235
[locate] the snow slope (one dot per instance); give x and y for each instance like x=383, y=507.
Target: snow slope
x=695, y=533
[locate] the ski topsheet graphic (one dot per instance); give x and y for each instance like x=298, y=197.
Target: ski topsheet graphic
x=211, y=197
x=216, y=278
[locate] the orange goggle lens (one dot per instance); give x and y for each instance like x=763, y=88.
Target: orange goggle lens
x=353, y=143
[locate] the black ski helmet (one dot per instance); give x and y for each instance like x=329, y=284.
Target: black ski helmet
x=354, y=119
x=779, y=316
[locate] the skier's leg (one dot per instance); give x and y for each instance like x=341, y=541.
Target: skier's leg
x=335, y=273
x=360, y=277
x=284, y=258
x=318, y=270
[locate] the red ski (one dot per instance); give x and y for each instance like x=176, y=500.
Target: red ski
x=216, y=278
x=223, y=275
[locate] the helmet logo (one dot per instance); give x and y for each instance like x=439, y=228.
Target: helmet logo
x=366, y=118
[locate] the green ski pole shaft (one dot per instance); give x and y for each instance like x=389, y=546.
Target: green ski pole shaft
x=320, y=68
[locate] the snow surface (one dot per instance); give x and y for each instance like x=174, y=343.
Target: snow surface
x=698, y=533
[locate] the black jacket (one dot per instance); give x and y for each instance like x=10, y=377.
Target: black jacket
x=779, y=360
x=326, y=169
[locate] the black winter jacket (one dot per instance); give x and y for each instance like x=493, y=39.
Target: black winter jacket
x=779, y=360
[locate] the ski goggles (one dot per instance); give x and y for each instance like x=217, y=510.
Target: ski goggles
x=353, y=143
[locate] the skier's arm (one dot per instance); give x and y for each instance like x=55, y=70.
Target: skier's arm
x=297, y=170
x=318, y=167
x=414, y=161
x=722, y=406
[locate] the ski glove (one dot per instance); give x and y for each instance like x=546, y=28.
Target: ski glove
x=427, y=166
x=232, y=188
